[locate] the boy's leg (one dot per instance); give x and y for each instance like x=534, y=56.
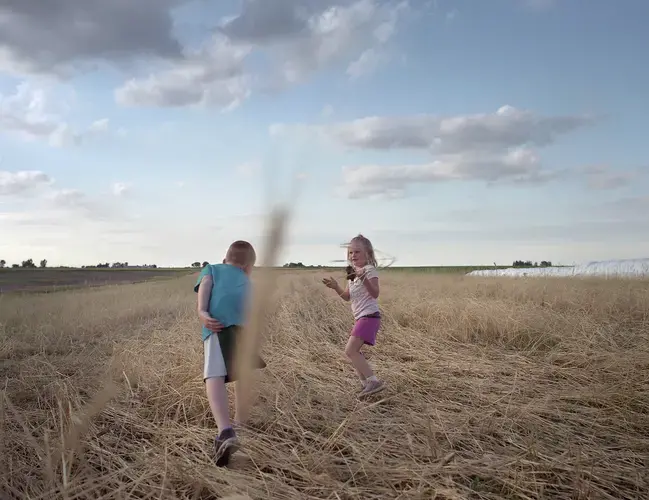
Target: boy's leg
x=217, y=395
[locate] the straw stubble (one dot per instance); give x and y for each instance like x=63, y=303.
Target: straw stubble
x=497, y=389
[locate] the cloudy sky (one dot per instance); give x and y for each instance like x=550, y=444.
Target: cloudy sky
x=448, y=131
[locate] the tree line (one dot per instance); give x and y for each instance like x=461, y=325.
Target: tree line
x=528, y=263
x=28, y=264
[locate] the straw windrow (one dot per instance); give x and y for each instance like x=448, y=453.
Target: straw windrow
x=497, y=389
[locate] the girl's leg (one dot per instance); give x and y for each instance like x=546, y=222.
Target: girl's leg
x=364, y=331
x=353, y=352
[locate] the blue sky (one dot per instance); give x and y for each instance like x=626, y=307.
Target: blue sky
x=449, y=132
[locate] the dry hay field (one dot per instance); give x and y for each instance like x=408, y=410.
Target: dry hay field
x=517, y=389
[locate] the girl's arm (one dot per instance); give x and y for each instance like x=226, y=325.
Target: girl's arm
x=372, y=287
x=370, y=280
x=344, y=294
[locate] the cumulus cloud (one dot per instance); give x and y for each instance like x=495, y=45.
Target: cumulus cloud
x=121, y=189
x=366, y=64
x=507, y=127
x=46, y=197
x=23, y=182
x=28, y=113
x=56, y=36
x=300, y=37
x=211, y=75
x=310, y=36
x=602, y=177
x=515, y=166
x=489, y=147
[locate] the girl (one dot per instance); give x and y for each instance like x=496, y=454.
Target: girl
x=363, y=291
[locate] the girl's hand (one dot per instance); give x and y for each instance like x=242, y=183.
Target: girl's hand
x=330, y=283
x=209, y=322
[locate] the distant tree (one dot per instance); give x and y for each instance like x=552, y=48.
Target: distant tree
x=3, y=263
x=294, y=265
x=43, y=263
x=15, y=266
x=529, y=263
x=205, y=264
x=29, y=263
x=196, y=264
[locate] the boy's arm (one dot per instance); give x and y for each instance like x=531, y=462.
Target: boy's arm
x=204, y=292
x=203, y=306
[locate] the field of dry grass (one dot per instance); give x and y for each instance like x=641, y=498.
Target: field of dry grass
x=497, y=389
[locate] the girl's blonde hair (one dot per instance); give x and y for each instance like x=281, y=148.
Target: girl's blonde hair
x=367, y=245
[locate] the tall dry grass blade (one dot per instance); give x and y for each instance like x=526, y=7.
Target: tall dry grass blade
x=265, y=282
x=27, y=433
x=81, y=423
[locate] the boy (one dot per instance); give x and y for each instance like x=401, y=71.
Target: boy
x=223, y=291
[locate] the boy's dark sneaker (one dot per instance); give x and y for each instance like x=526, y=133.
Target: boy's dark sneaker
x=225, y=444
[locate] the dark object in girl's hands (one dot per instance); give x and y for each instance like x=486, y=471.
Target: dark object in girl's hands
x=351, y=274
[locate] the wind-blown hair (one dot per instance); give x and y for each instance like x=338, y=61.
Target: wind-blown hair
x=367, y=245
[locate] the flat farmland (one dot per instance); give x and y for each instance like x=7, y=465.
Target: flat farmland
x=34, y=280
x=496, y=389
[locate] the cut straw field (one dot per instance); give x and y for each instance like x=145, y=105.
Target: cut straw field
x=497, y=388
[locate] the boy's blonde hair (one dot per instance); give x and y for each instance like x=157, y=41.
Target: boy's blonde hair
x=241, y=253
x=367, y=245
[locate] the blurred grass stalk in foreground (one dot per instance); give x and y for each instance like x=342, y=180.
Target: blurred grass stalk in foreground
x=265, y=282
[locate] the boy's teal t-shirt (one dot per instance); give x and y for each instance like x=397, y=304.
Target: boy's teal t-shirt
x=229, y=294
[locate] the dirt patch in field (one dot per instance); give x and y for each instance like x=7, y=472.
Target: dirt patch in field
x=33, y=280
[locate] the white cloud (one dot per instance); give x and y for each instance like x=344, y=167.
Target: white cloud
x=121, y=189
x=212, y=75
x=99, y=126
x=44, y=196
x=507, y=127
x=515, y=166
x=367, y=63
x=24, y=182
x=500, y=146
x=30, y=114
x=67, y=198
x=300, y=37
x=351, y=33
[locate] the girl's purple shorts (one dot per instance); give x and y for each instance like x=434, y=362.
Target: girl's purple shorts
x=366, y=328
